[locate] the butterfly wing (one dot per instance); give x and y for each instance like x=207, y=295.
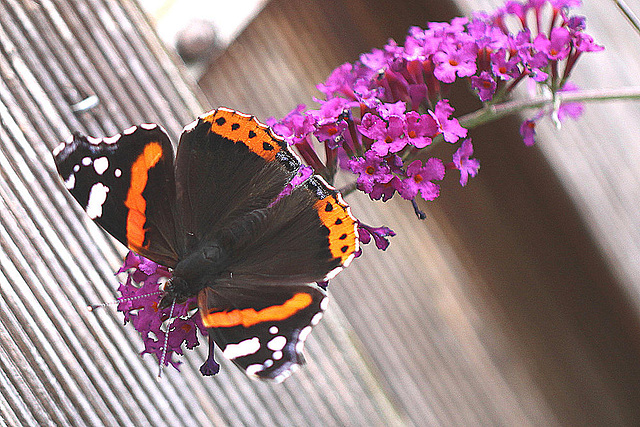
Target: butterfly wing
x=260, y=316
x=308, y=236
x=126, y=184
x=262, y=328
x=228, y=165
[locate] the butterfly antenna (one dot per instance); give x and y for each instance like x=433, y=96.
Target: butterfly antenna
x=93, y=307
x=166, y=341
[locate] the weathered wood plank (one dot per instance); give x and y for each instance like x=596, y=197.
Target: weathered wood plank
x=63, y=365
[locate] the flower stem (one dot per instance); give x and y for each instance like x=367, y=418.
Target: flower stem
x=348, y=189
x=497, y=111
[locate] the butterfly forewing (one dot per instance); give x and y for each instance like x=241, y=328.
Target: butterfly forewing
x=228, y=165
x=126, y=184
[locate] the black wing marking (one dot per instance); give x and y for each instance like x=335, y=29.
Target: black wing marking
x=126, y=184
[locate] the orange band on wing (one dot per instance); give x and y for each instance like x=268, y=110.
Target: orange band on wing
x=135, y=201
x=343, y=237
x=246, y=129
x=249, y=316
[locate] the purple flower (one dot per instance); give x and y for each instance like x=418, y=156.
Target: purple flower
x=528, y=132
x=331, y=111
x=569, y=109
x=455, y=60
x=385, y=190
x=557, y=46
x=378, y=59
x=450, y=128
x=392, y=139
x=463, y=163
x=584, y=43
x=565, y=4
x=485, y=85
x=340, y=82
x=379, y=234
x=387, y=110
x=367, y=93
x=419, y=179
x=486, y=34
x=420, y=129
x=503, y=68
x=295, y=126
x=140, y=306
x=370, y=169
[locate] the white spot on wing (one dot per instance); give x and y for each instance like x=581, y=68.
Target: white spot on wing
x=94, y=141
x=254, y=369
x=101, y=164
x=333, y=273
x=268, y=363
x=129, y=131
x=148, y=126
x=324, y=303
x=351, y=257
x=277, y=355
x=277, y=343
x=304, y=333
x=273, y=329
x=243, y=348
x=316, y=319
x=97, y=197
x=86, y=161
x=117, y=173
x=58, y=149
x=70, y=182
x=76, y=168
x=112, y=139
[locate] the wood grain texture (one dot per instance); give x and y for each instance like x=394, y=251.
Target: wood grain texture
x=59, y=364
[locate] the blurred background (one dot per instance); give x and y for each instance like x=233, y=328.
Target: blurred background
x=515, y=302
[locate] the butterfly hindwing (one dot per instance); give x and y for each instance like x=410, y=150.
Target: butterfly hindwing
x=262, y=329
x=126, y=184
x=228, y=164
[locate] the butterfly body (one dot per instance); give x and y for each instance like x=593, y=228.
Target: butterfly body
x=218, y=215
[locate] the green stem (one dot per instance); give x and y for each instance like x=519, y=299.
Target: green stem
x=348, y=189
x=495, y=112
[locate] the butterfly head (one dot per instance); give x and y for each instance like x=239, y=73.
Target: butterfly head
x=178, y=290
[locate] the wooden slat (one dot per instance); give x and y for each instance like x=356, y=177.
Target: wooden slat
x=62, y=365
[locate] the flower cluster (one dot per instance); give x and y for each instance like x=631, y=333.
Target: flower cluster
x=139, y=301
x=380, y=115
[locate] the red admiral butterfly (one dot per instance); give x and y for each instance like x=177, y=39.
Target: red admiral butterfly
x=217, y=216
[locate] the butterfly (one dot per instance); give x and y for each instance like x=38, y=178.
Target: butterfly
x=225, y=217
